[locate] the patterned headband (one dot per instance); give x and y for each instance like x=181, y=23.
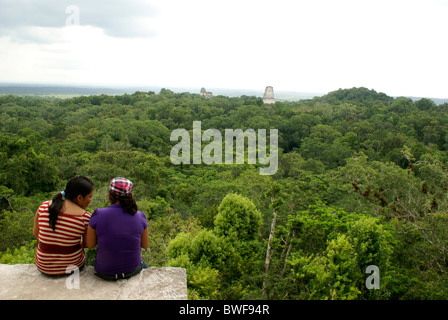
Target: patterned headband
x=121, y=186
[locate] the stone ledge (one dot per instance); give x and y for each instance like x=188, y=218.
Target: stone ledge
x=25, y=282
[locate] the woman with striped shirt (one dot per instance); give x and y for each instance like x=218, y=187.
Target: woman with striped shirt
x=60, y=225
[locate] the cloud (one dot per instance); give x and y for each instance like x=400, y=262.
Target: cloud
x=120, y=19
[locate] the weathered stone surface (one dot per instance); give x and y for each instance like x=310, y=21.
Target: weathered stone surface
x=25, y=282
x=268, y=96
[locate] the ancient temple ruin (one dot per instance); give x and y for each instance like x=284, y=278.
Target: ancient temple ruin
x=206, y=94
x=268, y=96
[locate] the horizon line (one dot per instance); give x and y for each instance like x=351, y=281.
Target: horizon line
x=141, y=86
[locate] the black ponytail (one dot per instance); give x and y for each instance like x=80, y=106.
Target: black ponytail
x=126, y=201
x=79, y=185
x=55, y=208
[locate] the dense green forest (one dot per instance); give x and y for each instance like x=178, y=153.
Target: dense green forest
x=361, y=181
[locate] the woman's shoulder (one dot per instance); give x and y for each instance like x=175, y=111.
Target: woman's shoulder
x=100, y=211
x=44, y=205
x=86, y=214
x=104, y=209
x=141, y=216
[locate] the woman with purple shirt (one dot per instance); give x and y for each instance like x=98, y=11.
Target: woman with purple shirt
x=120, y=231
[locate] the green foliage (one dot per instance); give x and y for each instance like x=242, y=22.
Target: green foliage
x=330, y=276
x=361, y=181
x=22, y=255
x=163, y=230
x=335, y=250
x=237, y=219
x=218, y=255
x=15, y=228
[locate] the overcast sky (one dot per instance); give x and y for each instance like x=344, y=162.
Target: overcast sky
x=394, y=46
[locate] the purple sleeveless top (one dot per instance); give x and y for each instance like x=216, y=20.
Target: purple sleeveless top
x=118, y=238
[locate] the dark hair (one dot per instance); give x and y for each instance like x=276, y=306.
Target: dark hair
x=79, y=185
x=126, y=201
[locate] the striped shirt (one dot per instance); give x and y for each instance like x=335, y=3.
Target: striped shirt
x=62, y=247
